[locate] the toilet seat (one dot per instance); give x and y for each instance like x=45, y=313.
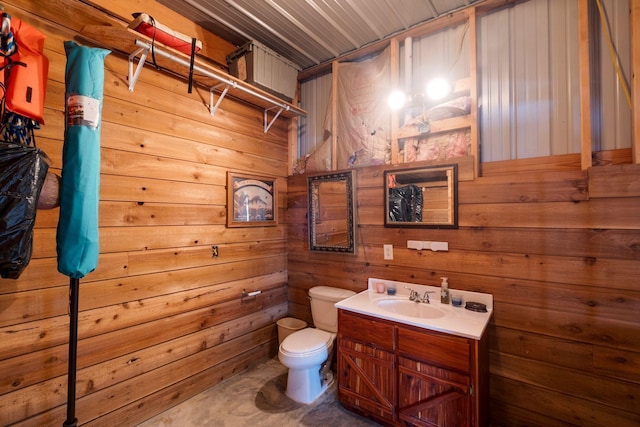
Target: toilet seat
x=306, y=342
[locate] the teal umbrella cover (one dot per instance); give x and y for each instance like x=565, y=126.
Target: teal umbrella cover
x=77, y=237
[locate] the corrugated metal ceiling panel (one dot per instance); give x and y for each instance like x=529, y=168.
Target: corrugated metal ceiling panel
x=309, y=32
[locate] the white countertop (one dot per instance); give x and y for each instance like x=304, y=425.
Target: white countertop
x=456, y=321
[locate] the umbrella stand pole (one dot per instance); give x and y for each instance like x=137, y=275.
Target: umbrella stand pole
x=74, y=289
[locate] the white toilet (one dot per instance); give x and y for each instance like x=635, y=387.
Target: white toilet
x=305, y=351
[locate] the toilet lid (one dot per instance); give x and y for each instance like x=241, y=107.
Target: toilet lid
x=306, y=340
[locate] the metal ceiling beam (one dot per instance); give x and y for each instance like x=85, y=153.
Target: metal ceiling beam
x=335, y=25
x=306, y=30
x=197, y=5
x=271, y=30
x=395, y=12
x=365, y=18
x=432, y=8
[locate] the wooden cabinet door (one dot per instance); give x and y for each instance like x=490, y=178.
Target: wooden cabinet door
x=366, y=365
x=432, y=396
x=366, y=378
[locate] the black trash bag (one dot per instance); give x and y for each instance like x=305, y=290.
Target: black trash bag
x=22, y=173
x=405, y=203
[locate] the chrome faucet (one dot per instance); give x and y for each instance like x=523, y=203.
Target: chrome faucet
x=425, y=298
x=415, y=296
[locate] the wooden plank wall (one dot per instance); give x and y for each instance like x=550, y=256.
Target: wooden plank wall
x=160, y=318
x=559, y=249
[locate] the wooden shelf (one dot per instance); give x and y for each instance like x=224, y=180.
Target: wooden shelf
x=132, y=43
x=437, y=126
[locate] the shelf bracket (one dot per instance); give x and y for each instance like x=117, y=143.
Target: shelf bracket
x=133, y=76
x=213, y=107
x=266, y=111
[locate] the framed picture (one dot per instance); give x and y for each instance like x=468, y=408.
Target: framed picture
x=251, y=200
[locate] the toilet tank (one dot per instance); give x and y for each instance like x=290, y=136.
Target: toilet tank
x=323, y=310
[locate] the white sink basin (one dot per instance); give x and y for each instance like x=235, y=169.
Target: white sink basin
x=411, y=309
x=434, y=316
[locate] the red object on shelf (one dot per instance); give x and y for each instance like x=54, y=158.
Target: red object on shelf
x=145, y=24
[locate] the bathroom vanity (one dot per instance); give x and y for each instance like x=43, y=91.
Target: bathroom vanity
x=396, y=367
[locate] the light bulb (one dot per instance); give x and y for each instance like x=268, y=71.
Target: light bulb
x=438, y=88
x=396, y=100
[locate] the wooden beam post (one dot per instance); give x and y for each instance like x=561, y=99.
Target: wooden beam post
x=635, y=80
x=292, y=135
x=473, y=91
x=585, y=84
x=394, y=78
x=334, y=115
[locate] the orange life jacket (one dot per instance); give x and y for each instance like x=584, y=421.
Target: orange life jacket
x=27, y=84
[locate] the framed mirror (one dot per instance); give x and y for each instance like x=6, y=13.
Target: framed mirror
x=332, y=212
x=422, y=197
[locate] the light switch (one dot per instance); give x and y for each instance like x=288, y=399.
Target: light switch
x=388, y=251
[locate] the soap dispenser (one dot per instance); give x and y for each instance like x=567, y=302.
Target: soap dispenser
x=444, y=291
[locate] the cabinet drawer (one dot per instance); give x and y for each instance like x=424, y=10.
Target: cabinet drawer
x=365, y=329
x=440, y=350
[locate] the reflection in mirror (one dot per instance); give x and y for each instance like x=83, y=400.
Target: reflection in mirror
x=332, y=212
x=422, y=197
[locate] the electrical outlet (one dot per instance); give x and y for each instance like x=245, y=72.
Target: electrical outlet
x=388, y=251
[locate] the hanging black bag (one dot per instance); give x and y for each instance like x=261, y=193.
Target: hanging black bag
x=22, y=174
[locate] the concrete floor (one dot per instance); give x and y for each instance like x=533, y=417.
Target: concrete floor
x=256, y=398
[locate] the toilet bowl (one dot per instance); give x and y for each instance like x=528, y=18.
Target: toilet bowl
x=304, y=352
x=307, y=352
